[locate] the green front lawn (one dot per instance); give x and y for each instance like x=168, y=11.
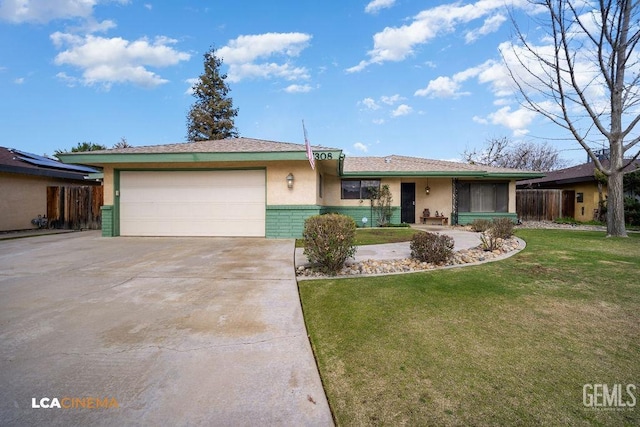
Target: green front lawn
x=375, y=236
x=506, y=343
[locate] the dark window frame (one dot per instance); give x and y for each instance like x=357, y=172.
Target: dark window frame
x=359, y=191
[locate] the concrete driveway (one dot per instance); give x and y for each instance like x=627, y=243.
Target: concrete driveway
x=175, y=331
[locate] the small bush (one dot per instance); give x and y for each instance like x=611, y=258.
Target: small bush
x=631, y=211
x=488, y=241
x=480, y=225
x=329, y=240
x=432, y=247
x=401, y=225
x=502, y=228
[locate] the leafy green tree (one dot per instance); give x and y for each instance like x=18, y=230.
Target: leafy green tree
x=81, y=147
x=212, y=115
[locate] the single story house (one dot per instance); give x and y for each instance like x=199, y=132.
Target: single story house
x=251, y=187
x=579, y=187
x=24, y=178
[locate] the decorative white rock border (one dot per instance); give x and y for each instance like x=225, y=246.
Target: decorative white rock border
x=462, y=258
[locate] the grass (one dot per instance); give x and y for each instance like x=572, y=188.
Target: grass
x=375, y=236
x=506, y=343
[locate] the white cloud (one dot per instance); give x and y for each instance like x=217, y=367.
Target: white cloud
x=370, y=103
x=43, y=11
x=517, y=120
x=449, y=87
x=115, y=60
x=19, y=80
x=398, y=43
x=191, y=82
x=391, y=100
x=441, y=87
x=243, y=54
x=298, y=88
x=375, y=5
x=402, y=110
x=491, y=25
x=149, y=6
x=378, y=121
x=361, y=147
x=69, y=80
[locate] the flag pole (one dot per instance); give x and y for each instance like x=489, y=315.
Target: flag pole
x=312, y=161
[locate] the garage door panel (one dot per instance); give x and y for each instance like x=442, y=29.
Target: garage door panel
x=192, y=203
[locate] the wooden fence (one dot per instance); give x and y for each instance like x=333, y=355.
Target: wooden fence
x=74, y=207
x=539, y=205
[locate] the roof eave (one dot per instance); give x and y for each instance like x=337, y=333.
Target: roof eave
x=448, y=174
x=94, y=158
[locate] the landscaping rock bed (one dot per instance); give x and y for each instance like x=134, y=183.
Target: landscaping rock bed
x=555, y=225
x=408, y=265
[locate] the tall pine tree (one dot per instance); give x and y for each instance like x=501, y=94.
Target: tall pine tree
x=212, y=115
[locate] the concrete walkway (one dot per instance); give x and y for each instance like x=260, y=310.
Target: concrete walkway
x=462, y=240
x=179, y=331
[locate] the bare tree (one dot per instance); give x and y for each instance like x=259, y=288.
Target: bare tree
x=123, y=143
x=502, y=152
x=585, y=80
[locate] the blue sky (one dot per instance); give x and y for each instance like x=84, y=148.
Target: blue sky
x=408, y=77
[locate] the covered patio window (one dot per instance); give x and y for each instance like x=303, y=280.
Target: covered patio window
x=483, y=197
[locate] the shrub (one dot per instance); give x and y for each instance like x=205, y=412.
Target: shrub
x=432, y=247
x=502, y=228
x=631, y=210
x=329, y=240
x=488, y=241
x=480, y=225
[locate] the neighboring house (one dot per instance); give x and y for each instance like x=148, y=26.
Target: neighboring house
x=250, y=187
x=24, y=178
x=579, y=188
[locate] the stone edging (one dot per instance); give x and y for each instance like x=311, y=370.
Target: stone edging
x=463, y=258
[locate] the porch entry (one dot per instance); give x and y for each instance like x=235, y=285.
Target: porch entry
x=408, y=202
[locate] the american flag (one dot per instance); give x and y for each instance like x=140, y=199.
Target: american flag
x=312, y=161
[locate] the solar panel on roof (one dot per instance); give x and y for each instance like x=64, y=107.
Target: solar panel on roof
x=34, y=159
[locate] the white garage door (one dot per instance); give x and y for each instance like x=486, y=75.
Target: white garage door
x=192, y=203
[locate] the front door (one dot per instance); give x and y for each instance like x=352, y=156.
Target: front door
x=408, y=202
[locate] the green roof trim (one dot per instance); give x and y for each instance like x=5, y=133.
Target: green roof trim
x=447, y=174
x=107, y=158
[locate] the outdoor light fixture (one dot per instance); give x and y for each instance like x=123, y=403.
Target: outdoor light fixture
x=290, y=180
x=427, y=189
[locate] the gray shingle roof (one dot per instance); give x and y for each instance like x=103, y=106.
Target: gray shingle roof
x=580, y=173
x=229, y=145
x=396, y=163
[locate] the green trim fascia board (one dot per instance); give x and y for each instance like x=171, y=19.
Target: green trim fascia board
x=100, y=158
x=417, y=174
x=293, y=207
